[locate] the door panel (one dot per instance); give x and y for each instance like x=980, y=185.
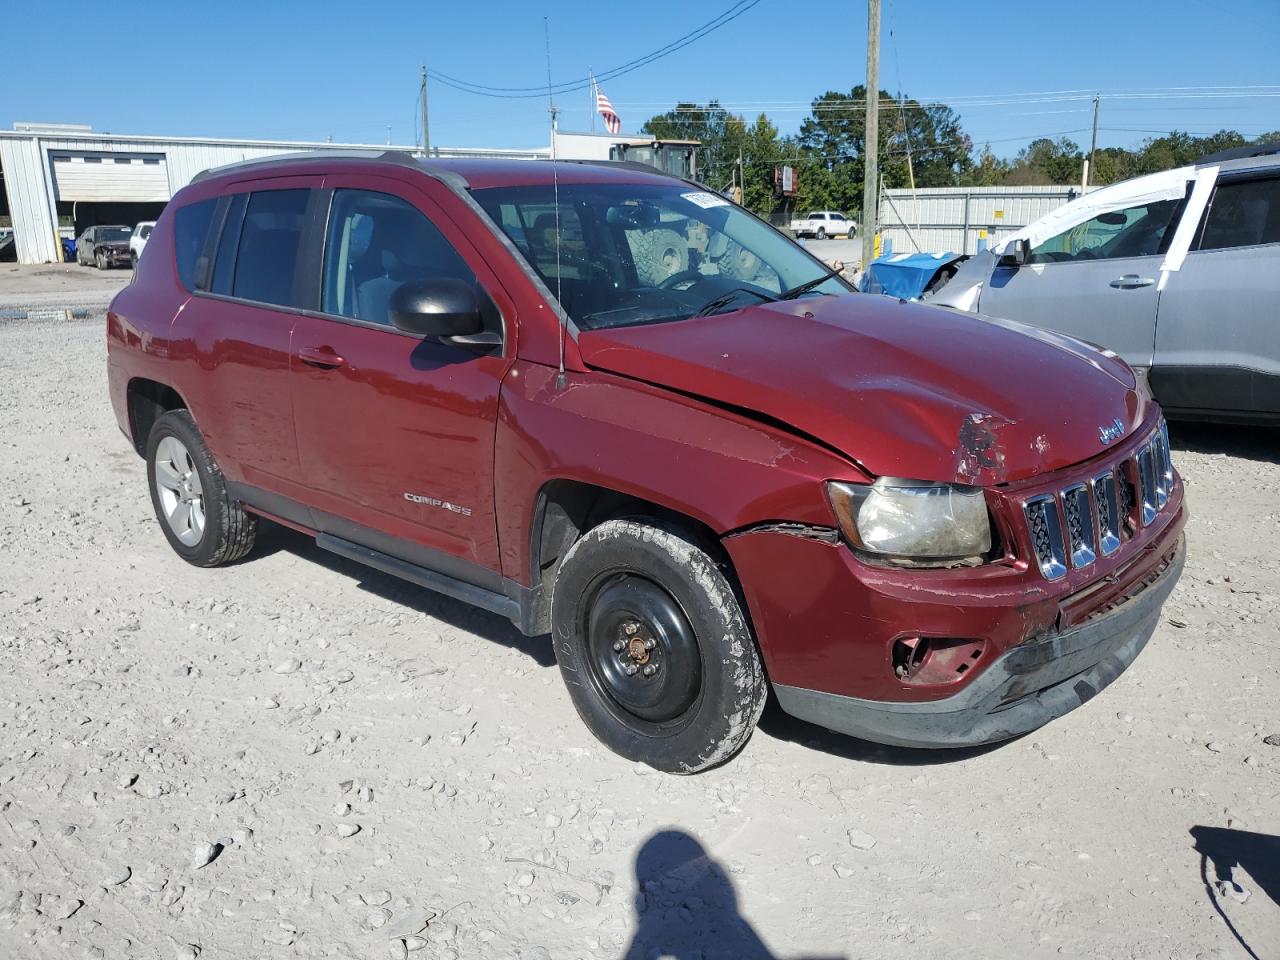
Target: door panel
x=242, y=391
x=1218, y=333
x=1079, y=299
x=1096, y=279
x=395, y=433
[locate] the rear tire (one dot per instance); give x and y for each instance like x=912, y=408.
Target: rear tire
x=654, y=647
x=202, y=522
x=822, y=233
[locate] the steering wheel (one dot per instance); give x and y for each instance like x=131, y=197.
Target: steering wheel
x=684, y=276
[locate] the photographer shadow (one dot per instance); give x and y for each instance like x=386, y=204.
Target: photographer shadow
x=687, y=907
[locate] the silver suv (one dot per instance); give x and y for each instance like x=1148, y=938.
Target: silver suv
x=1178, y=272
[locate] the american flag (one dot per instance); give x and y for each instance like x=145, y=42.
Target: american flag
x=612, y=122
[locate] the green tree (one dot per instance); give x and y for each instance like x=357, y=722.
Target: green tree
x=917, y=141
x=987, y=171
x=1046, y=161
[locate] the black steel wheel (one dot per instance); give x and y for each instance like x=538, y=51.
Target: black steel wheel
x=642, y=652
x=654, y=646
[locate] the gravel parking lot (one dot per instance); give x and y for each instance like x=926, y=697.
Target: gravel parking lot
x=296, y=756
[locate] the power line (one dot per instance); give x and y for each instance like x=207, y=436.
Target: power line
x=520, y=93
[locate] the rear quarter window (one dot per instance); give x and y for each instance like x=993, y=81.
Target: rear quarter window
x=190, y=232
x=267, y=255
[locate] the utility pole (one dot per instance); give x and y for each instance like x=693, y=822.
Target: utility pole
x=1093, y=144
x=426, y=130
x=871, y=143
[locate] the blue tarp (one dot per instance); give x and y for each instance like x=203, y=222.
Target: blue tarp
x=904, y=275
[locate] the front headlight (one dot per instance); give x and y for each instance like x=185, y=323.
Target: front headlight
x=913, y=520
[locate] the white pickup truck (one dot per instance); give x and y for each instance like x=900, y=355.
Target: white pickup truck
x=823, y=224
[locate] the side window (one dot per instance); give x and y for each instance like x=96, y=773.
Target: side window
x=268, y=250
x=1243, y=214
x=1137, y=231
x=224, y=263
x=376, y=242
x=190, y=231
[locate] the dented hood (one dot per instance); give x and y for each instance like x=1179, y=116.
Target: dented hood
x=904, y=389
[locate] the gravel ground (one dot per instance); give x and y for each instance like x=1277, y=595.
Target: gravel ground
x=295, y=756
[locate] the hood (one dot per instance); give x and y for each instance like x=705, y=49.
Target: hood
x=904, y=389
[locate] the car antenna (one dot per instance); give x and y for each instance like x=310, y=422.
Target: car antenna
x=555, y=199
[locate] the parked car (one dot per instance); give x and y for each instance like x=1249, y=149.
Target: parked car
x=1175, y=271
x=822, y=224
x=735, y=478
x=138, y=239
x=103, y=247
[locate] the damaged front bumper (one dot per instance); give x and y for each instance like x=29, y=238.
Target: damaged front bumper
x=1026, y=687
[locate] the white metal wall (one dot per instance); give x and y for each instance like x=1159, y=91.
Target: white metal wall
x=963, y=219
x=35, y=229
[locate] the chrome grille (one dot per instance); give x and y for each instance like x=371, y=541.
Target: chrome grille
x=1163, y=466
x=1147, y=484
x=1106, y=508
x=1046, y=535
x=1071, y=527
x=1080, y=538
x=1125, y=490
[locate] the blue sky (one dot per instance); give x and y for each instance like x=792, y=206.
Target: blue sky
x=348, y=71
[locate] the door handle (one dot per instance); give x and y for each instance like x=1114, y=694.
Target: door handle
x=1131, y=281
x=324, y=357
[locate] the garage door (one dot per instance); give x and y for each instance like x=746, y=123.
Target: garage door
x=110, y=177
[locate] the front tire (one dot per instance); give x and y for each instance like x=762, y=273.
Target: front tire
x=101, y=261
x=822, y=233
x=654, y=647
x=202, y=522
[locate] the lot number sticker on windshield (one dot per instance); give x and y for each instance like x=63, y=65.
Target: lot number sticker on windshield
x=705, y=200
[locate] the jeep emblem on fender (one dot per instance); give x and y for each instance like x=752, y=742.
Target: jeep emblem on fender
x=1111, y=432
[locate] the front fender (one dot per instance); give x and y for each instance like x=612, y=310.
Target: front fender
x=716, y=466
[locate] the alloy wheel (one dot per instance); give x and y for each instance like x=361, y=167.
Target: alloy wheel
x=180, y=491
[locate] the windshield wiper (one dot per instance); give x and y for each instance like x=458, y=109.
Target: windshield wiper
x=809, y=284
x=724, y=299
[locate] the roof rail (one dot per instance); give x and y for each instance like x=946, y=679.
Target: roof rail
x=399, y=157
x=634, y=165
x=1241, y=153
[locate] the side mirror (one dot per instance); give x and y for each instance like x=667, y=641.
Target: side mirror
x=1016, y=254
x=442, y=308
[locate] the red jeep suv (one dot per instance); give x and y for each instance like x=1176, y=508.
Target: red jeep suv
x=618, y=409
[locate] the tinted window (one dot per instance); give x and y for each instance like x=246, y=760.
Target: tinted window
x=224, y=264
x=268, y=250
x=1137, y=231
x=1243, y=214
x=375, y=243
x=190, y=230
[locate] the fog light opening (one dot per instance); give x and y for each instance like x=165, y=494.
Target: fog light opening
x=934, y=660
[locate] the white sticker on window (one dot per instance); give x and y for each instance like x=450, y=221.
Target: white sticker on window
x=705, y=200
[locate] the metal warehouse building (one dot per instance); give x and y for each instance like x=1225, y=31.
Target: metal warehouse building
x=962, y=219
x=52, y=174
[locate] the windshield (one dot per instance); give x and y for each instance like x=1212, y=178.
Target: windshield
x=649, y=253
x=113, y=233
